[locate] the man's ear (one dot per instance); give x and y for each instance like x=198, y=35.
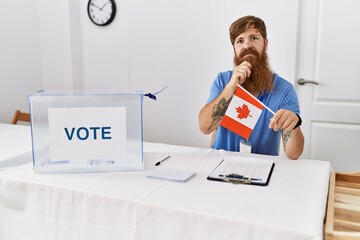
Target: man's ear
x=266, y=43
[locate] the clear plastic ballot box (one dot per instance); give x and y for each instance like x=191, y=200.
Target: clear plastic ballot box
x=86, y=131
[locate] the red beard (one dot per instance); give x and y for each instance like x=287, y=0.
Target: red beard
x=261, y=78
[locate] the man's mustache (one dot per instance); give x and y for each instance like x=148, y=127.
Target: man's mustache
x=249, y=51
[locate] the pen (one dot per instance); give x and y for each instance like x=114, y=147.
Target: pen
x=237, y=176
x=158, y=163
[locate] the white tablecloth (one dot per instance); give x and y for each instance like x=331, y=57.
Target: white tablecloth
x=15, y=145
x=128, y=205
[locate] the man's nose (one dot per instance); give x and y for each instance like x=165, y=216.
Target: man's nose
x=247, y=44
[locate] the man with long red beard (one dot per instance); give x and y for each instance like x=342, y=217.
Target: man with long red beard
x=249, y=39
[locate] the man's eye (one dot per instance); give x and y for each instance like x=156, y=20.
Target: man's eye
x=240, y=41
x=254, y=38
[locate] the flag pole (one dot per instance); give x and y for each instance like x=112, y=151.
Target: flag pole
x=257, y=100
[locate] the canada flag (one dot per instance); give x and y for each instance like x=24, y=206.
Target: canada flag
x=243, y=113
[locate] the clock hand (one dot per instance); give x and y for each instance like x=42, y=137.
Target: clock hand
x=93, y=4
x=103, y=6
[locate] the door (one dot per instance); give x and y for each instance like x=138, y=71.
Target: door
x=328, y=57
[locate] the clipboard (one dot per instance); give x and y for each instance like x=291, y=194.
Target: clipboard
x=243, y=171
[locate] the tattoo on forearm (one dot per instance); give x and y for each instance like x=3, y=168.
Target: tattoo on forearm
x=285, y=137
x=219, y=110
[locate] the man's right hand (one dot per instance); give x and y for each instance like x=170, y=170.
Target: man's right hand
x=240, y=74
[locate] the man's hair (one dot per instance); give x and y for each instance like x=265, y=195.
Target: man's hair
x=243, y=23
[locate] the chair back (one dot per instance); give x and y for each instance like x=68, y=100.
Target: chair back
x=20, y=116
x=212, y=137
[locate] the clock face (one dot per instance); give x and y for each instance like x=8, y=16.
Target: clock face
x=101, y=12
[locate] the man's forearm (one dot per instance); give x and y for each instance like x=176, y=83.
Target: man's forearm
x=211, y=114
x=293, y=143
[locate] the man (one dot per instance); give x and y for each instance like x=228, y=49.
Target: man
x=252, y=71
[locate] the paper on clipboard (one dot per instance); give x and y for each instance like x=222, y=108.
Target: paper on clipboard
x=250, y=171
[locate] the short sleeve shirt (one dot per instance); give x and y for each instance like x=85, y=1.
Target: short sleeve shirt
x=263, y=140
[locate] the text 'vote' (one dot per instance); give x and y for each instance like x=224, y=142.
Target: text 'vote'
x=84, y=133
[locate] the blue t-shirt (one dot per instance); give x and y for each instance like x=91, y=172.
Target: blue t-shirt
x=262, y=139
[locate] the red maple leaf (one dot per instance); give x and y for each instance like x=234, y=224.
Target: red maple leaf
x=243, y=111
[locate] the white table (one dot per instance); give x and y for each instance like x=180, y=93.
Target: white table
x=15, y=145
x=128, y=205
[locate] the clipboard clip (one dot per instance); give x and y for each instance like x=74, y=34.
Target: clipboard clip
x=237, y=179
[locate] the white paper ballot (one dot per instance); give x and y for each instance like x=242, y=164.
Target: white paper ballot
x=171, y=174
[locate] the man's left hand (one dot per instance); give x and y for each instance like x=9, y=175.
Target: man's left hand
x=284, y=120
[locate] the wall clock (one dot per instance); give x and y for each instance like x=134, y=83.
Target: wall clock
x=101, y=12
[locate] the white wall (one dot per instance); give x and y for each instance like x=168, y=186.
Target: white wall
x=20, y=61
x=150, y=44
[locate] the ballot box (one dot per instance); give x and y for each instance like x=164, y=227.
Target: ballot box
x=86, y=131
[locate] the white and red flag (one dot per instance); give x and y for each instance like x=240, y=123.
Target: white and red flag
x=243, y=113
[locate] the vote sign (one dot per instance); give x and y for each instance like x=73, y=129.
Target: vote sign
x=78, y=134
